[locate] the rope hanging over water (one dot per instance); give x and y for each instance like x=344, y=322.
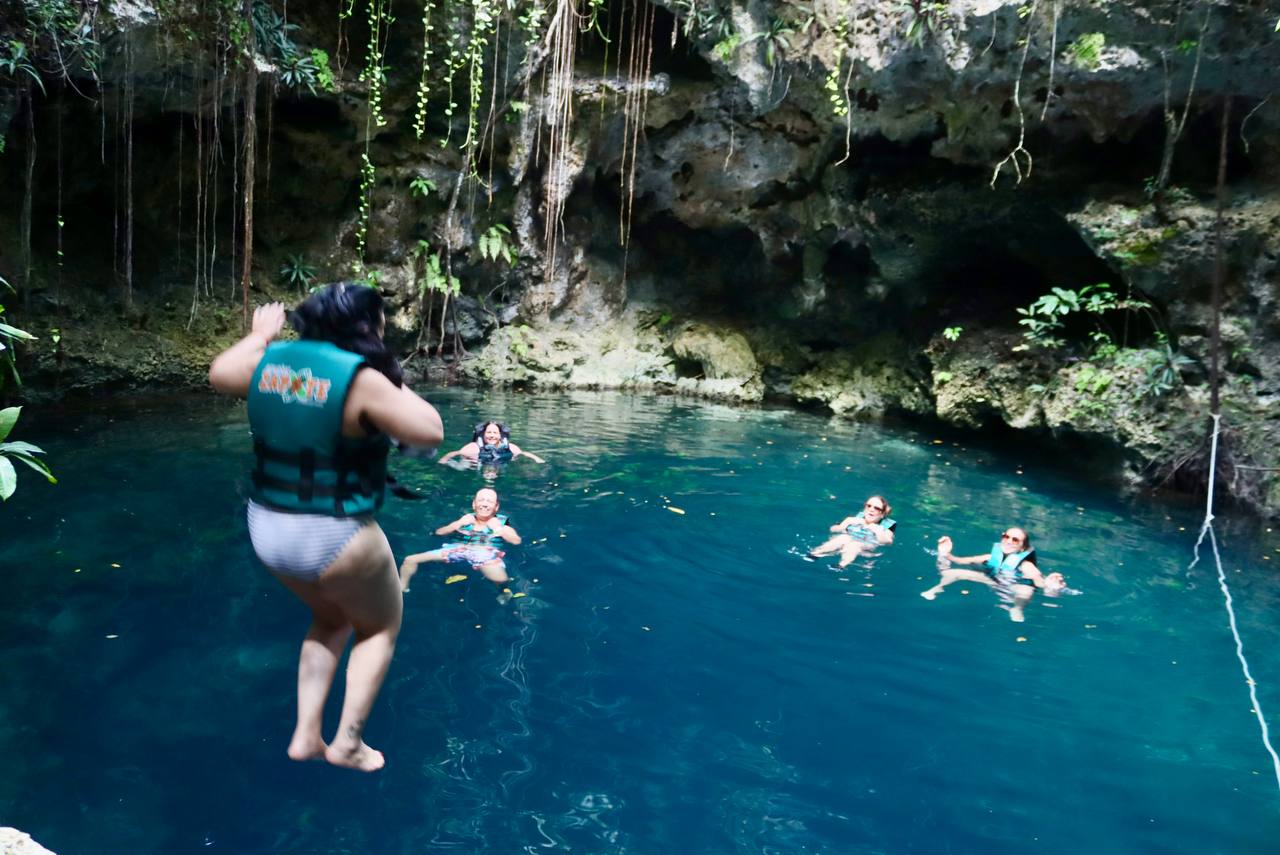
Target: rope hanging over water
x=1207, y=528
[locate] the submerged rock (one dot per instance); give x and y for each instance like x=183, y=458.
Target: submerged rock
x=15, y=842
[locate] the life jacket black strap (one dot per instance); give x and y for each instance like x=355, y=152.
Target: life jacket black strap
x=269, y=482
x=345, y=464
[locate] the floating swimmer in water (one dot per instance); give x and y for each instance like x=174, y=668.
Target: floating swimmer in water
x=481, y=531
x=491, y=443
x=1010, y=567
x=861, y=534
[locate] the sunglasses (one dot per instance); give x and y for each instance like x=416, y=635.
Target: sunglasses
x=871, y=507
x=1011, y=538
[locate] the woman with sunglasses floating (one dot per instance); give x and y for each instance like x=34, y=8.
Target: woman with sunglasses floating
x=861, y=534
x=1010, y=567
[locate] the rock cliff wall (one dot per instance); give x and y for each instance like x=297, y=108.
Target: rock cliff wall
x=843, y=204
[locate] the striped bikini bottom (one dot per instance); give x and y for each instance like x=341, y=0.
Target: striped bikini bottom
x=299, y=545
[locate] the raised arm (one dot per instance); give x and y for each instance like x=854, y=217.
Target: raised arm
x=232, y=370
x=944, y=554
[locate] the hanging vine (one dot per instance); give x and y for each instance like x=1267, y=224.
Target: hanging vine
x=374, y=75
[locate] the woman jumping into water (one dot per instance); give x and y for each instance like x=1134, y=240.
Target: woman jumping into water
x=320, y=425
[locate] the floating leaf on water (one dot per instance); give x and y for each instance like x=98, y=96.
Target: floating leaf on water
x=1021, y=638
x=113, y=635
x=646, y=629
x=456, y=578
x=675, y=510
x=115, y=565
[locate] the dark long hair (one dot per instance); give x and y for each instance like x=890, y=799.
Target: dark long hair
x=477, y=435
x=348, y=315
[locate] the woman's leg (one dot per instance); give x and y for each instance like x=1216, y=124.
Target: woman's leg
x=1022, y=595
x=949, y=576
x=317, y=664
x=851, y=550
x=831, y=546
x=363, y=583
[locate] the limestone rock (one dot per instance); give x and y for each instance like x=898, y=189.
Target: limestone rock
x=980, y=380
x=615, y=355
x=874, y=378
x=723, y=353
x=15, y=842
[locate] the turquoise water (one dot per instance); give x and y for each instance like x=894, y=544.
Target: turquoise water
x=673, y=683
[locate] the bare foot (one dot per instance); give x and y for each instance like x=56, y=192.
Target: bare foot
x=306, y=747
x=929, y=594
x=360, y=757
x=1016, y=615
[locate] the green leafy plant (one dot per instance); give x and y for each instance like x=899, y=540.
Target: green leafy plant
x=726, y=47
x=521, y=338
x=296, y=271
x=1164, y=373
x=24, y=452
x=16, y=63
x=274, y=37
x=1086, y=51
x=776, y=39
x=421, y=186
x=952, y=333
x=923, y=19
x=703, y=19
x=1093, y=380
x=1045, y=318
x=434, y=280
x=9, y=335
x=493, y=245
x=323, y=73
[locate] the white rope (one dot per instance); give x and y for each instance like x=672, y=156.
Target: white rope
x=1207, y=528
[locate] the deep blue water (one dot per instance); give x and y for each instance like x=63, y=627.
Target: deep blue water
x=673, y=683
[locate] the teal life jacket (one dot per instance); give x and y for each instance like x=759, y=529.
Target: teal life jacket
x=865, y=534
x=304, y=463
x=474, y=535
x=999, y=564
